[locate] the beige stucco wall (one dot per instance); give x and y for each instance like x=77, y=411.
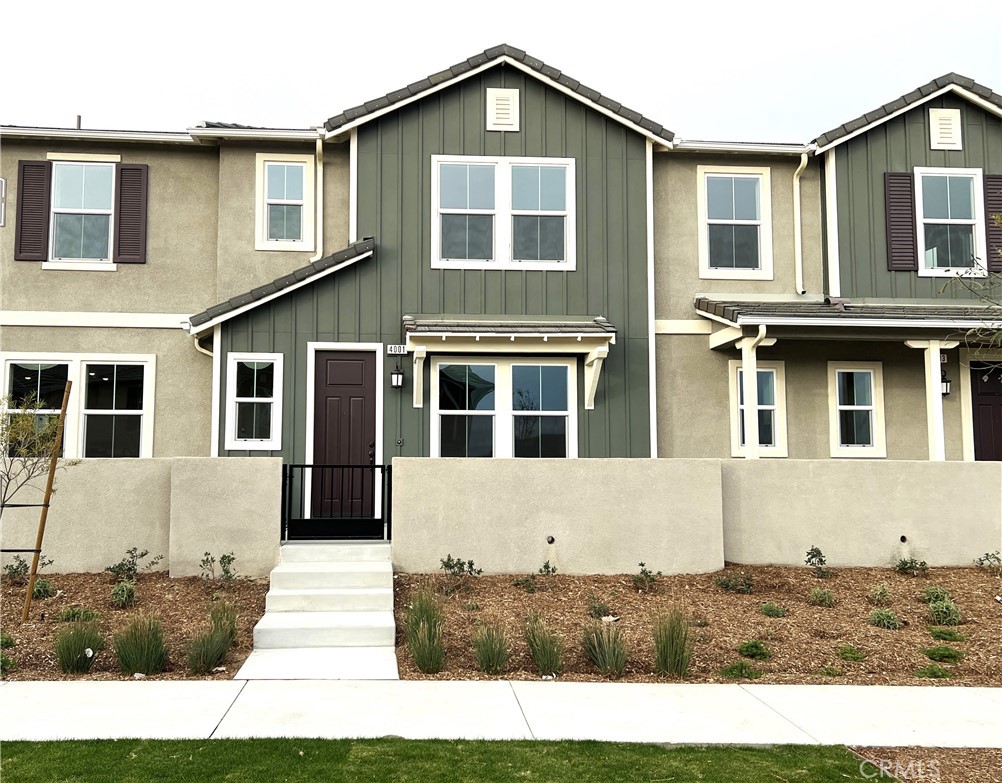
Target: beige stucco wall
x=179, y=508
x=857, y=510
x=676, y=230
x=179, y=273
x=182, y=409
x=605, y=515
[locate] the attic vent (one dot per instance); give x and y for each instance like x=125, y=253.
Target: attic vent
x=502, y=109
x=944, y=129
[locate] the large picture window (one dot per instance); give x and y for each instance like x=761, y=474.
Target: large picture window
x=254, y=401
x=735, y=226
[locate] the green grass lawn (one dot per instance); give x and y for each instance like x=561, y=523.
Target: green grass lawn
x=400, y=761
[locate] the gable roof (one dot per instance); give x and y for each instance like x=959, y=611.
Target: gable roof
x=951, y=82
x=504, y=53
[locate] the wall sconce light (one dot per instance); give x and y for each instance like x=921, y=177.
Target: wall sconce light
x=945, y=384
x=397, y=378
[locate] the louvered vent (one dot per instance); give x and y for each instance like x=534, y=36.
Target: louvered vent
x=944, y=129
x=502, y=109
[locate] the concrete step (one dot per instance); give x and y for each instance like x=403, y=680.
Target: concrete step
x=334, y=553
x=353, y=599
x=321, y=663
x=324, y=629
x=315, y=576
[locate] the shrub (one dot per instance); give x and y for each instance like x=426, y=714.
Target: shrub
x=772, y=610
x=42, y=589
x=943, y=654
x=849, y=653
x=735, y=583
x=75, y=614
x=991, y=562
x=944, y=612
x=208, y=565
x=141, y=648
x=208, y=650
x=821, y=597
x=547, y=570
x=741, y=670
x=946, y=635
x=223, y=618
x=473, y=606
x=755, y=649
x=460, y=572
x=77, y=647
x=6, y=640
x=527, y=583
x=884, y=618
x=646, y=581
x=605, y=648
x=831, y=671
x=545, y=647
x=597, y=608
x=934, y=594
x=16, y=571
x=816, y=559
x=123, y=595
x=912, y=567
x=490, y=646
x=933, y=671
x=673, y=644
x=6, y=664
x=424, y=640
x=880, y=595
x=127, y=569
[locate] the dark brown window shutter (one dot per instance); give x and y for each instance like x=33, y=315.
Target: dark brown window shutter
x=130, y=213
x=899, y=196
x=31, y=231
x=993, y=220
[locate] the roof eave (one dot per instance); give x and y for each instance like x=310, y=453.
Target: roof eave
x=72, y=134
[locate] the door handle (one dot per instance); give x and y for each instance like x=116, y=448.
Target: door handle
x=372, y=453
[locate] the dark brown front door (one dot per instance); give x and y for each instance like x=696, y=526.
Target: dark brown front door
x=344, y=445
x=986, y=399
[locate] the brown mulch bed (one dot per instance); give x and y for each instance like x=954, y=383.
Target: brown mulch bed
x=182, y=606
x=802, y=643
x=933, y=765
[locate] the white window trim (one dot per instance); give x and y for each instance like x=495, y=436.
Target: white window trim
x=980, y=237
x=779, y=370
x=84, y=264
x=273, y=443
x=261, y=241
x=765, y=270
x=503, y=410
x=878, y=450
x=503, y=214
x=73, y=428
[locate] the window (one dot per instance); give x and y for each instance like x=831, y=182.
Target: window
x=502, y=213
x=856, y=409
x=735, y=223
x=771, y=409
x=110, y=410
x=949, y=206
x=285, y=202
x=254, y=401
x=81, y=212
x=504, y=408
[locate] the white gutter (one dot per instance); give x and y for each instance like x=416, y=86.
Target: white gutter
x=899, y=323
x=686, y=145
x=199, y=348
x=798, y=239
x=98, y=135
x=319, y=201
x=261, y=134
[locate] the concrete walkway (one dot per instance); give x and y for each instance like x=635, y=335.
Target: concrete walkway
x=663, y=713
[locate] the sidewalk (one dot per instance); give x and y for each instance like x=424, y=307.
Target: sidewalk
x=662, y=713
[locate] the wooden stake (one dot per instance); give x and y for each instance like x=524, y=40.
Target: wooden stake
x=56, y=451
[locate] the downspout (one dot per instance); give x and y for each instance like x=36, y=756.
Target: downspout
x=798, y=241
x=319, y=218
x=200, y=349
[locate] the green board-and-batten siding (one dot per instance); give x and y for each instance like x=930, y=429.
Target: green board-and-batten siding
x=366, y=302
x=900, y=145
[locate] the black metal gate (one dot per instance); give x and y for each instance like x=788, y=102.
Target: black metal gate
x=336, y=502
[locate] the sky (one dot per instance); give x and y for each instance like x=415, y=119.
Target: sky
x=721, y=70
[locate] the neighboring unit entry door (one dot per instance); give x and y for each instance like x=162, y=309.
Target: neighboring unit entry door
x=344, y=437
x=986, y=401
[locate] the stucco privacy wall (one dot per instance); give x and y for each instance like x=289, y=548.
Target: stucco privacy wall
x=856, y=511
x=180, y=508
x=605, y=515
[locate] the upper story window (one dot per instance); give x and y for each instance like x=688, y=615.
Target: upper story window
x=81, y=212
x=735, y=223
x=285, y=212
x=502, y=213
x=949, y=207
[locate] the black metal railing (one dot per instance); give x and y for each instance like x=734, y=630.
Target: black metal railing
x=336, y=502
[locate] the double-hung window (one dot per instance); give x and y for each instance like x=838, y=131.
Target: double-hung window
x=856, y=409
x=502, y=213
x=735, y=222
x=285, y=202
x=949, y=205
x=770, y=408
x=82, y=207
x=504, y=408
x=113, y=410
x=254, y=401
x=40, y=385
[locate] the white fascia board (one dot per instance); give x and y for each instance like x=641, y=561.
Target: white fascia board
x=686, y=145
x=505, y=60
x=94, y=319
x=97, y=135
x=714, y=317
x=201, y=328
x=890, y=323
x=262, y=134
